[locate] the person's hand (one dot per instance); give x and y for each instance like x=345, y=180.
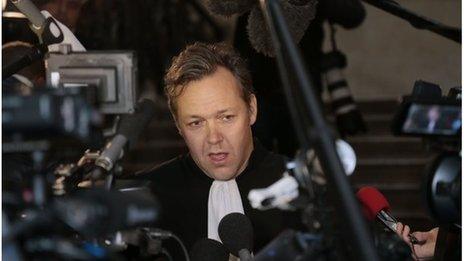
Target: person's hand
x=425, y=249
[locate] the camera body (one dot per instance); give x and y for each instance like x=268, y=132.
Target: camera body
x=113, y=73
x=437, y=120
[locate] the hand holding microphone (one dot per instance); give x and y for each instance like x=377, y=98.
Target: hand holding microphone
x=425, y=248
x=375, y=205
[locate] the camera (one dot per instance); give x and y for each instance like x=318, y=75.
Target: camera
x=112, y=73
x=437, y=120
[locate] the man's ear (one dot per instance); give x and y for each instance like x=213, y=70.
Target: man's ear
x=253, y=107
x=178, y=127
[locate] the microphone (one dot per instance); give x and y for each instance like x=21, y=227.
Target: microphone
x=284, y=191
x=97, y=212
x=375, y=205
x=297, y=16
x=207, y=249
x=236, y=233
x=130, y=127
x=46, y=29
x=31, y=12
x=228, y=8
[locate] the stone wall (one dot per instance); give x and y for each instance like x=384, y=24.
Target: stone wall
x=386, y=54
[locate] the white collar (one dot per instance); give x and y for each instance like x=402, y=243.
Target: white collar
x=224, y=198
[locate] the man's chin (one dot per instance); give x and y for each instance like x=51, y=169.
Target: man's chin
x=222, y=174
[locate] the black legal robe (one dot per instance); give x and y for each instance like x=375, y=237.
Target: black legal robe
x=183, y=189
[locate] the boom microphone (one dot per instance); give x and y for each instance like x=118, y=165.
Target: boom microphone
x=298, y=18
x=207, y=249
x=236, y=233
x=299, y=14
x=375, y=205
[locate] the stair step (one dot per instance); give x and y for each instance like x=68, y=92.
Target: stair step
x=377, y=107
x=382, y=172
x=386, y=146
x=379, y=125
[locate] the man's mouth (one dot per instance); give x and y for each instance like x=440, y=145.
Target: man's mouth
x=218, y=157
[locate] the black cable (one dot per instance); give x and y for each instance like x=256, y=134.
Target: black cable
x=184, y=249
x=166, y=254
x=162, y=234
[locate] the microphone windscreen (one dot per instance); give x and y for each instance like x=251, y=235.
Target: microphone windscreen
x=298, y=19
x=131, y=125
x=228, y=8
x=236, y=232
x=372, y=201
x=207, y=249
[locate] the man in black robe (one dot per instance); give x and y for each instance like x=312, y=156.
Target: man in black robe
x=211, y=97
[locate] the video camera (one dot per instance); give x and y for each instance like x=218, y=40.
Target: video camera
x=437, y=119
x=41, y=190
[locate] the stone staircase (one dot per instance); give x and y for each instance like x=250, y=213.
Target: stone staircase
x=394, y=165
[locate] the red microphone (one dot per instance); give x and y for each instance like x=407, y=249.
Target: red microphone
x=375, y=205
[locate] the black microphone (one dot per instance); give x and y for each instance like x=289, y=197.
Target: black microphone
x=97, y=212
x=207, y=249
x=130, y=127
x=236, y=233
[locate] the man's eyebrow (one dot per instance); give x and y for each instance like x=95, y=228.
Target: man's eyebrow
x=224, y=111
x=194, y=116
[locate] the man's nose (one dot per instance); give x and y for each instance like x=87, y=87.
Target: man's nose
x=214, y=134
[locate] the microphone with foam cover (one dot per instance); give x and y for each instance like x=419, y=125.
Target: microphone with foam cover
x=298, y=18
x=228, y=8
x=207, y=249
x=236, y=233
x=375, y=205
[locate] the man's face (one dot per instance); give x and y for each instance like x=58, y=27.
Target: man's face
x=215, y=122
x=434, y=113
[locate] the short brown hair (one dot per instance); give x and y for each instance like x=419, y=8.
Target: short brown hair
x=199, y=60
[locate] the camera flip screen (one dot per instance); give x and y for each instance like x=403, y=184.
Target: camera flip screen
x=432, y=119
